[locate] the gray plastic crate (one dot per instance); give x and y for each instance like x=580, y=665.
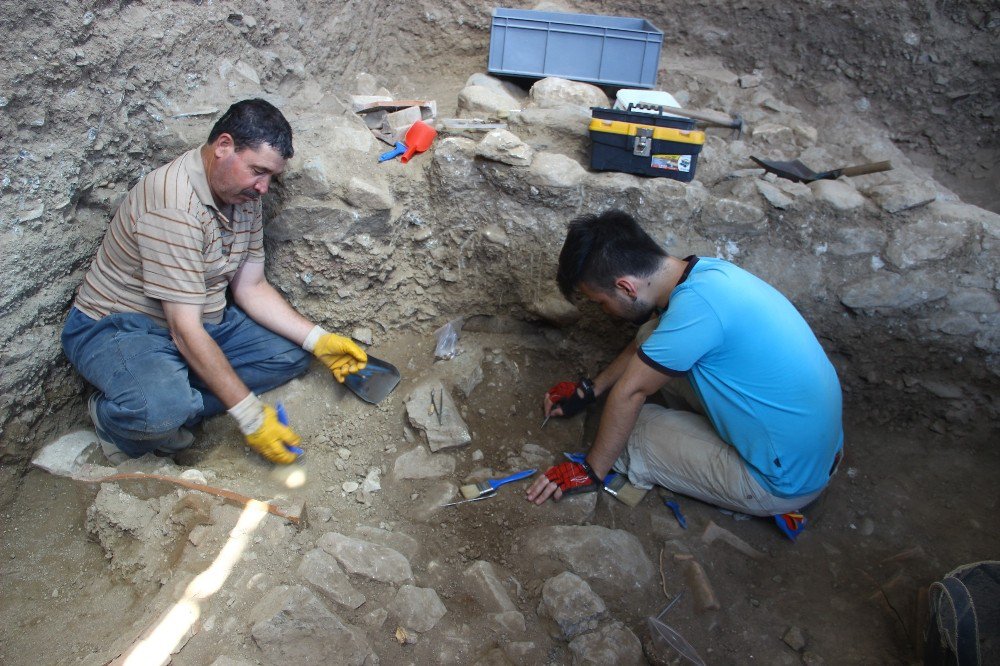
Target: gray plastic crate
x=606, y=50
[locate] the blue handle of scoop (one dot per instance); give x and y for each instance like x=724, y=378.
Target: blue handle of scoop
x=496, y=483
x=395, y=152
x=283, y=420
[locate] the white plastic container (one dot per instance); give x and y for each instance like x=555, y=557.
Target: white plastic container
x=628, y=96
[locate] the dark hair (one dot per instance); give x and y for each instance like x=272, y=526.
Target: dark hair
x=601, y=248
x=253, y=122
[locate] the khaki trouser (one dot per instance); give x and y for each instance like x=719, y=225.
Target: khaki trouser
x=676, y=447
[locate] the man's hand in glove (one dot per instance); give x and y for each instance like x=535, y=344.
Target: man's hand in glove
x=262, y=430
x=569, y=399
x=566, y=478
x=338, y=353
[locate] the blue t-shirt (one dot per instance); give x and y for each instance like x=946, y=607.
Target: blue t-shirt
x=766, y=383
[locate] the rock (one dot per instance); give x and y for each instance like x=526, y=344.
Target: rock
x=468, y=383
x=367, y=196
x=290, y=625
x=773, y=195
x=320, y=569
x=454, y=162
x=751, y=80
x=367, y=559
x=979, y=301
x=552, y=92
x=792, y=189
x=452, y=430
x=371, y=483
x=536, y=456
x=497, y=85
x=229, y=661
x=572, y=510
x=363, y=335
x=481, y=101
x=609, y=559
x=555, y=170
x=899, y=197
x=849, y=241
x=483, y=583
x=795, y=639
x=398, y=541
x=731, y=217
x=501, y=145
x=555, y=309
x=430, y=500
x=375, y=618
x=510, y=622
x=418, y=608
x=612, y=644
x=929, y=238
x=894, y=291
x=837, y=193
x=572, y=605
x=773, y=134
x=419, y=463
x=350, y=486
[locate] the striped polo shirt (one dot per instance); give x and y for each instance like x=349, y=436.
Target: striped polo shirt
x=169, y=242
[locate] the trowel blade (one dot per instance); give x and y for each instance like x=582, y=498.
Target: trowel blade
x=375, y=382
x=62, y=457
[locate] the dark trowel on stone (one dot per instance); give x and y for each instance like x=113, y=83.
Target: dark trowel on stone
x=375, y=382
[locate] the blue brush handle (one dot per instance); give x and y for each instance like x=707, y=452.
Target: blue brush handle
x=283, y=420
x=496, y=483
x=395, y=152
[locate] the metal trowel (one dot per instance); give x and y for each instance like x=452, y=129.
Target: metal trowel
x=375, y=381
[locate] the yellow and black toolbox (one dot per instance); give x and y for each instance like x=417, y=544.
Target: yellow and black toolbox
x=648, y=144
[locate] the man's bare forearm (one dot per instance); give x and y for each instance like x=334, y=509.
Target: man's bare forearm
x=267, y=307
x=207, y=361
x=617, y=420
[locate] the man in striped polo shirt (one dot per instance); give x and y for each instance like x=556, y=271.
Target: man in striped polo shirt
x=150, y=327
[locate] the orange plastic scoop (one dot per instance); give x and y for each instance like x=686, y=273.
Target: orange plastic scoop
x=419, y=138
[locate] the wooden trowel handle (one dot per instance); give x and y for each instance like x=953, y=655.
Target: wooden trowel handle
x=862, y=169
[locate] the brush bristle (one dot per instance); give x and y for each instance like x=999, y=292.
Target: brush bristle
x=470, y=491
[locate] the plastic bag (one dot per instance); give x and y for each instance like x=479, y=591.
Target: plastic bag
x=447, y=339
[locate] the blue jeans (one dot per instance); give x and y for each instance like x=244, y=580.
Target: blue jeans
x=147, y=392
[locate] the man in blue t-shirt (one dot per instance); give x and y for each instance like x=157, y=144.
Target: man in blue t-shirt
x=754, y=423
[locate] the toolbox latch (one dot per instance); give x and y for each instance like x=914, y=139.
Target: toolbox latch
x=643, y=142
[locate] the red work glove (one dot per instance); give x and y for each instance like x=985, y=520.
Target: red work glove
x=566, y=395
x=572, y=478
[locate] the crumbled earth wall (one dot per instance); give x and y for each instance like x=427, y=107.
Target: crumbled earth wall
x=904, y=296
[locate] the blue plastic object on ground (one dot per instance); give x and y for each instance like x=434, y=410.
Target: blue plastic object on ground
x=791, y=524
x=676, y=508
x=395, y=152
x=283, y=420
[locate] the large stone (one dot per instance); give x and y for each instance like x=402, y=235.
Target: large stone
x=419, y=463
x=555, y=309
x=572, y=605
x=455, y=164
x=367, y=559
x=291, y=626
x=979, y=301
x=320, y=569
x=555, y=170
x=417, y=608
x=502, y=145
x=443, y=431
x=773, y=195
x=837, y=193
x=481, y=101
x=885, y=290
x=398, y=541
x=849, y=241
x=898, y=197
x=609, y=559
x=366, y=195
x=485, y=586
x=508, y=622
x=497, y=85
x=612, y=644
x=731, y=217
x=552, y=92
x=930, y=238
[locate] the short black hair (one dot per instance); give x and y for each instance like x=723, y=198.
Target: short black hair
x=601, y=248
x=253, y=122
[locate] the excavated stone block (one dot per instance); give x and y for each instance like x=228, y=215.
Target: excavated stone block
x=367, y=559
x=320, y=569
x=572, y=605
x=485, y=586
x=417, y=608
x=504, y=146
x=612, y=644
x=552, y=91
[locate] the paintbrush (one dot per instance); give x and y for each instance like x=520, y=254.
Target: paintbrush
x=489, y=487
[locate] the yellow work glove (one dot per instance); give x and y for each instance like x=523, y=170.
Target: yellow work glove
x=338, y=353
x=263, y=432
